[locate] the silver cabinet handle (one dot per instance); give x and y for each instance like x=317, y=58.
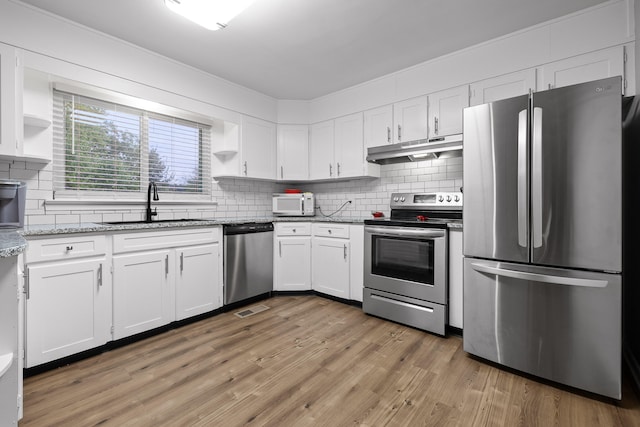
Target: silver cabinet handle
x=399, y=133
x=435, y=125
x=280, y=248
x=537, y=277
x=329, y=231
x=536, y=178
x=345, y=251
x=330, y=169
x=166, y=265
x=69, y=248
x=388, y=134
x=100, y=275
x=338, y=164
x=181, y=262
x=281, y=171
x=27, y=288
x=294, y=230
x=522, y=178
x=245, y=168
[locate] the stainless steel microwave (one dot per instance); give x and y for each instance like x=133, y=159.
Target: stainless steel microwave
x=293, y=204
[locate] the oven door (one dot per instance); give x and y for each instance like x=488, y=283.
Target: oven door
x=406, y=261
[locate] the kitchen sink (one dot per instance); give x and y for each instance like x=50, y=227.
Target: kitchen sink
x=159, y=221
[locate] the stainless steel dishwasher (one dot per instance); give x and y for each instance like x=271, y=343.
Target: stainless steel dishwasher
x=248, y=260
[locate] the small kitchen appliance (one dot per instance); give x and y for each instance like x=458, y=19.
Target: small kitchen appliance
x=294, y=204
x=13, y=195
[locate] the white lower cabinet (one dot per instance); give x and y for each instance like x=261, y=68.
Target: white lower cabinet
x=162, y=276
x=142, y=292
x=455, y=278
x=74, y=303
x=68, y=308
x=331, y=259
x=195, y=266
x=292, y=257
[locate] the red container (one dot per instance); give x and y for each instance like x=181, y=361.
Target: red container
x=292, y=191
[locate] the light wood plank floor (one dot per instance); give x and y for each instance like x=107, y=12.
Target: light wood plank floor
x=307, y=361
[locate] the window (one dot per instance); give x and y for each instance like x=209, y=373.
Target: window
x=107, y=149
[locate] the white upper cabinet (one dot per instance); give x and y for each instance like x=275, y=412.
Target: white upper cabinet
x=445, y=111
x=293, y=152
x=258, y=148
x=583, y=68
x=10, y=100
x=410, y=119
x=378, y=125
x=349, y=149
x=503, y=87
x=321, y=151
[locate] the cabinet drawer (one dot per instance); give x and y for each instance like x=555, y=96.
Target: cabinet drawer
x=293, y=229
x=149, y=240
x=68, y=247
x=331, y=230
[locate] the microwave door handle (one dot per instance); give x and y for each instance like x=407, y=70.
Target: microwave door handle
x=302, y=210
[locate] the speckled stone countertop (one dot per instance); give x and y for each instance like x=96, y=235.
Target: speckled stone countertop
x=11, y=243
x=48, y=230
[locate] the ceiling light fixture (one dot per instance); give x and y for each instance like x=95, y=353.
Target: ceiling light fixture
x=211, y=14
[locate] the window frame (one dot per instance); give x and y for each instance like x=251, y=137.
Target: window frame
x=148, y=109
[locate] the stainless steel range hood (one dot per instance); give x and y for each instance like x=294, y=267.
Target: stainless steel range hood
x=413, y=151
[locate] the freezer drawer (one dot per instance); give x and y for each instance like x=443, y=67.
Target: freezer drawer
x=408, y=311
x=558, y=324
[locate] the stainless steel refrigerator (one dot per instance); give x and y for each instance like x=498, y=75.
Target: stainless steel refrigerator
x=543, y=234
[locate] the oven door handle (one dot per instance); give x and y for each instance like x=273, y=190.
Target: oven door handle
x=405, y=232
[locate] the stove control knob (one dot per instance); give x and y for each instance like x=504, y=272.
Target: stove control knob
x=456, y=198
x=402, y=199
x=395, y=199
x=448, y=198
x=440, y=198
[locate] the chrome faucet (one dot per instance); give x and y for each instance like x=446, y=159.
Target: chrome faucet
x=151, y=214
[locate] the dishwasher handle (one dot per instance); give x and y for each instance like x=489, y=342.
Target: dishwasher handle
x=247, y=228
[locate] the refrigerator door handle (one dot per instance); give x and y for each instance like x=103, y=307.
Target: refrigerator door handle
x=536, y=277
x=536, y=178
x=522, y=178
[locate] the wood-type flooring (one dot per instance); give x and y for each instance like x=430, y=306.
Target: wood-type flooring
x=307, y=361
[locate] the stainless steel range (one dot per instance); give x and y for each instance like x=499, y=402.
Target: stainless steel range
x=405, y=264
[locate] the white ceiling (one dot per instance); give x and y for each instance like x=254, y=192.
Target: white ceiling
x=302, y=49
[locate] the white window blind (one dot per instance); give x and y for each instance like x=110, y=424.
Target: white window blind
x=105, y=148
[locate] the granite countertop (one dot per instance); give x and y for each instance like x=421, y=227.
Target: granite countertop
x=48, y=230
x=11, y=243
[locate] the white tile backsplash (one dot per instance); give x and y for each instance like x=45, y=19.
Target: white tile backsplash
x=247, y=199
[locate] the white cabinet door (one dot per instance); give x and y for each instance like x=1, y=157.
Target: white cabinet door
x=198, y=284
x=378, y=124
x=10, y=100
x=583, y=68
x=292, y=266
x=330, y=267
x=349, y=149
x=321, y=153
x=258, y=148
x=68, y=309
x=143, y=297
x=445, y=111
x=503, y=87
x=293, y=152
x=410, y=120
x=455, y=278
